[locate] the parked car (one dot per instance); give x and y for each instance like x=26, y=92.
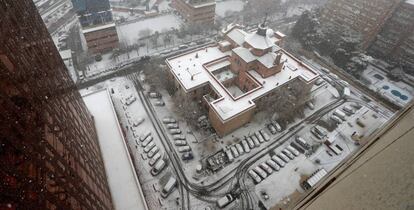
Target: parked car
x=319, y=81
x=279, y=161
x=273, y=164
x=184, y=149
x=245, y=145
x=265, y=135
x=235, y=152
x=256, y=178
x=159, y=103
x=168, y=120
x=154, y=95
x=283, y=157
x=271, y=128
x=255, y=140
x=169, y=187
x=239, y=149
x=266, y=168
x=288, y=153
x=146, y=141
x=302, y=142
x=175, y=131
x=297, y=147
x=180, y=143
x=178, y=137
x=277, y=126
x=310, y=105
x=153, y=151
x=187, y=156
x=259, y=136
x=294, y=151
x=229, y=155
x=149, y=147
x=224, y=201
x=159, y=166
x=348, y=110
x=145, y=135
x=154, y=159
x=137, y=122
x=260, y=172
x=336, y=119
x=250, y=142
x=172, y=126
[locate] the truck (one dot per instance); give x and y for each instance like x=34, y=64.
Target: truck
x=340, y=114
x=169, y=187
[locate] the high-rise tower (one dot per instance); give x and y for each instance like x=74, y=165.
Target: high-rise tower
x=49, y=152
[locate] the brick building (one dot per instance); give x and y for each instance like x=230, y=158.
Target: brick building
x=49, y=152
x=196, y=11
x=362, y=16
x=396, y=39
x=99, y=30
x=233, y=76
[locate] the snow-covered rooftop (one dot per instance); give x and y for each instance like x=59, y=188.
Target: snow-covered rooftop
x=123, y=183
x=244, y=54
x=259, y=42
x=237, y=35
x=97, y=28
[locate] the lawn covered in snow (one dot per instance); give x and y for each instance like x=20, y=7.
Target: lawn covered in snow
x=231, y=5
x=130, y=32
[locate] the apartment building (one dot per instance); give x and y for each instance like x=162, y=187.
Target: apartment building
x=362, y=16
x=233, y=76
x=396, y=39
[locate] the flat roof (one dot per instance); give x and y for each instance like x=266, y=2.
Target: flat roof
x=123, y=183
x=97, y=28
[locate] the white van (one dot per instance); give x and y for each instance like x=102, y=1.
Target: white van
x=169, y=187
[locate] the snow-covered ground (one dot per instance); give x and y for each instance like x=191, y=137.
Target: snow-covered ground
x=228, y=5
x=130, y=33
x=398, y=92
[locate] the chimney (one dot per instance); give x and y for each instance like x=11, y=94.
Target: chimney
x=277, y=59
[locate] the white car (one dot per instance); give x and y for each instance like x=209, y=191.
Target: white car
x=145, y=135
x=288, y=153
x=159, y=103
x=273, y=164
x=260, y=172
x=180, y=143
x=239, y=149
x=245, y=146
x=178, y=137
x=184, y=149
x=224, y=201
x=255, y=140
x=149, y=147
x=147, y=141
x=283, y=157
x=235, y=152
x=154, y=159
x=172, y=126
x=168, y=120
x=279, y=161
x=250, y=142
x=293, y=150
x=175, y=131
x=153, y=151
x=266, y=168
x=259, y=136
x=256, y=178
x=265, y=135
x=137, y=122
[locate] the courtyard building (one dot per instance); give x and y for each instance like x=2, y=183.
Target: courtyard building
x=234, y=76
